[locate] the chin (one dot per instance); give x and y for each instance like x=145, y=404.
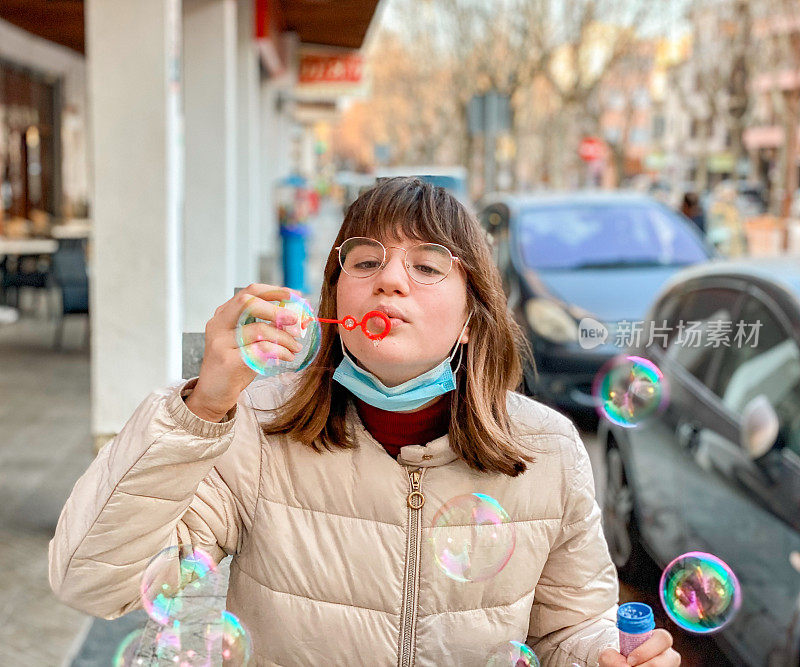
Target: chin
x=384, y=352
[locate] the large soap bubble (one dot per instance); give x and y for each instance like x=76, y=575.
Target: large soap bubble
x=260, y=355
x=700, y=592
x=629, y=390
x=472, y=537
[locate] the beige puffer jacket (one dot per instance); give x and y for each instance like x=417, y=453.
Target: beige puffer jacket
x=331, y=566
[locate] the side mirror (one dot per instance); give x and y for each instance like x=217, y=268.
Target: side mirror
x=760, y=426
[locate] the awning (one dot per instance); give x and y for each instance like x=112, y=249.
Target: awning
x=331, y=22
x=59, y=21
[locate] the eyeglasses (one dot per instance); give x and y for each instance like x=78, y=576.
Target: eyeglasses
x=426, y=263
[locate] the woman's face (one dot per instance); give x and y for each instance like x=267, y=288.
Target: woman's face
x=431, y=317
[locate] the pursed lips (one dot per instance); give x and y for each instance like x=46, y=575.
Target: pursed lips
x=392, y=312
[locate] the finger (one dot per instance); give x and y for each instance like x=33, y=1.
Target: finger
x=612, y=658
x=669, y=658
x=656, y=645
x=265, y=352
x=254, y=295
x=260, y=331
x=253, y=307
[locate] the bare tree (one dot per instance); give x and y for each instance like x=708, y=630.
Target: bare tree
x=780, y=63
x=581, y=42
x=714, y=82
x=439, y=54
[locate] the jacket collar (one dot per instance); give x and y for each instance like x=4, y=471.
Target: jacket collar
x=436, y=453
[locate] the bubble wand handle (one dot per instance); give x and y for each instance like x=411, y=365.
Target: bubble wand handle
x=349, y=323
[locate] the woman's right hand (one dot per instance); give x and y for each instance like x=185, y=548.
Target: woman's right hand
x=223, y=373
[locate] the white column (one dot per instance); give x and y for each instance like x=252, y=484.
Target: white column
x=248, y=164
x=209, y=43
x=274, y=164
x=133, y=52
x=276, y=129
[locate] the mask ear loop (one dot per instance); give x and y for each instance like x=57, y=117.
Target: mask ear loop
x=461, y=345
x=344, y=349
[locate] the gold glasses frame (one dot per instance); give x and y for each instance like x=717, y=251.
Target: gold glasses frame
x=338, y=249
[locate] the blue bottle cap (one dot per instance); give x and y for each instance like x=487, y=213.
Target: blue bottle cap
x=634, y=618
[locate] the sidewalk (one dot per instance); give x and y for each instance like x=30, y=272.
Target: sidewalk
x=45, y=446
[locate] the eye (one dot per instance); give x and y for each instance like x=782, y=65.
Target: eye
x=427, y=270
x=368, y=264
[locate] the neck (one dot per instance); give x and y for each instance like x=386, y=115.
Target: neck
x=394, y=430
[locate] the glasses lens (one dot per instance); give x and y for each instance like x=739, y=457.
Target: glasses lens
x=361, y=257
x=429, y=263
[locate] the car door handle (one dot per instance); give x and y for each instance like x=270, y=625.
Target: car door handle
x=688, y=434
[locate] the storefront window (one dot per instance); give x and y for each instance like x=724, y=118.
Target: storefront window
x=28, y=136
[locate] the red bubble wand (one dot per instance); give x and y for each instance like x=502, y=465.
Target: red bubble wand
x=349, y=323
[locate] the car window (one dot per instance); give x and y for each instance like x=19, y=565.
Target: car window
x=696, y=335
x=664, y=321
x=768, y=364
x=590, y=235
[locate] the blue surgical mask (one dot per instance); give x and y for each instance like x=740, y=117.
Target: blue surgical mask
x=409, y=395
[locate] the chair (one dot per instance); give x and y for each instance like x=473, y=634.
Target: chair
x=71, y=279
x=24, y=271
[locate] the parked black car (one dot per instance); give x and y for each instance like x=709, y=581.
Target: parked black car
x=719, y=469
x=572, y=261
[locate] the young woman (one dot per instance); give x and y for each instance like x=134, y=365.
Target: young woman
x=323, y=485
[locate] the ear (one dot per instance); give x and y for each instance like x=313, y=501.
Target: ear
x=465, y=337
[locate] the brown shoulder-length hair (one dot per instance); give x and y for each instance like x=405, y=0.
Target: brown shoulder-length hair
x=480, y=428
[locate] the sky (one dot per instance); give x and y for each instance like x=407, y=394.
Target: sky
x=668, y=21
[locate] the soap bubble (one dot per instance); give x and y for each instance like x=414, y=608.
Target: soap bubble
x=168, y=644
x=513, y=654
x=167, y=576
x=628, y=390
x=700, y=592
x=228, y=637
x=264, y=360
x=472, y=537
x=126, y=654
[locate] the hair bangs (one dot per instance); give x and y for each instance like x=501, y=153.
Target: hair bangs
x=400, y=208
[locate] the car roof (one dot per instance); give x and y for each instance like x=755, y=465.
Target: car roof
x=783, y=270
x=544, y=199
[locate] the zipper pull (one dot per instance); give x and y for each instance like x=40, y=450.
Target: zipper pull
x=415, y=499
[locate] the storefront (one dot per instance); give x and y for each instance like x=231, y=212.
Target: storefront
x=29, y=143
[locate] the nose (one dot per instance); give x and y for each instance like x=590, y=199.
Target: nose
x=392, y=278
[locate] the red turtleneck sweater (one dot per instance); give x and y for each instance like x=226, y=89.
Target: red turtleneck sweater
x=397, y=429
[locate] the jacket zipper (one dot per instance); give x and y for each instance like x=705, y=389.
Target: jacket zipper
x=408, y=620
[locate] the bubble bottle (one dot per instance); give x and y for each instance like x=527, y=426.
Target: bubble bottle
x=635, y=622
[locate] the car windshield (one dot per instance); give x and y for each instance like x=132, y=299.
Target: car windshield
x=605, y=235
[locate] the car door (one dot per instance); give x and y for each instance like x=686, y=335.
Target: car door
x=661, y=451
x=748, y=512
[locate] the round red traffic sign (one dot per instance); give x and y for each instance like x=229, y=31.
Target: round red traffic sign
x=591, y=149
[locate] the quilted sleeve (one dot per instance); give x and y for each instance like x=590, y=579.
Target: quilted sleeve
x=169, y=477
x=573, y=617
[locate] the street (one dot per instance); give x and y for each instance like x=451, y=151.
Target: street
x=695, y=651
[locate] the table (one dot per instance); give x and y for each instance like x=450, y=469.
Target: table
x=27, y=246
x=77, y=228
